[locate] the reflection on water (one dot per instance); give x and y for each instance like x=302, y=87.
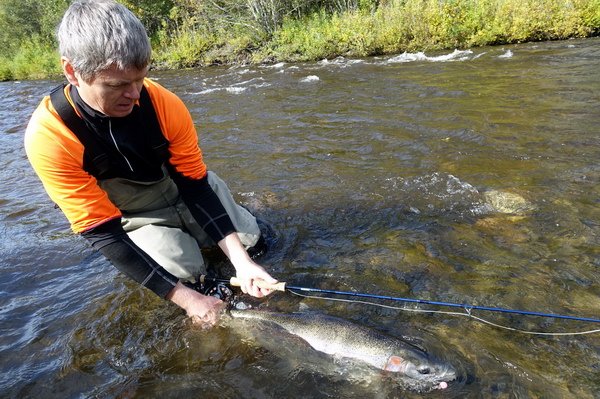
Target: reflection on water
x=468, y=176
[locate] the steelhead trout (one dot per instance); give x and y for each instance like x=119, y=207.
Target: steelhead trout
x=338, y=337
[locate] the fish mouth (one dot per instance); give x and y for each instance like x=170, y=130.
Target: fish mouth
x=439, y=381
x=442, y=378
x=433, y=377
x=446, y=374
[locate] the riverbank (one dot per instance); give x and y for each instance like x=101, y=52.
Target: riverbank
x=411, y=25
x=382, y=27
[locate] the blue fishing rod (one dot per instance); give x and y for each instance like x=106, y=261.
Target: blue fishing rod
x=282, y=286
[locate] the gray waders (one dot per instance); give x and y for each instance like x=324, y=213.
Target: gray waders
x=157, y=220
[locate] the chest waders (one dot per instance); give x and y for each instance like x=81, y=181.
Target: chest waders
x=153, y=213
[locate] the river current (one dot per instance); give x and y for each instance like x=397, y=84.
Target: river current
x=467, y=177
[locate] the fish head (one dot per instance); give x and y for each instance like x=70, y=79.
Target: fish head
x=422, y=371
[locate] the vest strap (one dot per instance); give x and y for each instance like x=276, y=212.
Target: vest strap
x=94, y=149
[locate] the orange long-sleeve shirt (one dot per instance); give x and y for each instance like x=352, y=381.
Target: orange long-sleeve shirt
x=56, y=155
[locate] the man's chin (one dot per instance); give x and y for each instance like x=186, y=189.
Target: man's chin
x=121, y=111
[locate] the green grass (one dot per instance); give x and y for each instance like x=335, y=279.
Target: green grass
x=394, y=26
x=431, y=25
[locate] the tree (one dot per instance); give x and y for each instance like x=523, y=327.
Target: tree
x=154, y=14
x=28, y=20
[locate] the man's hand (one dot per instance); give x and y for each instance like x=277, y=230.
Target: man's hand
x=247, y=271
x=250, y=275
x=203, y=310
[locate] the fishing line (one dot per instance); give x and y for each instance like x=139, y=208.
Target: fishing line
x=467, y=313
x=282, y=286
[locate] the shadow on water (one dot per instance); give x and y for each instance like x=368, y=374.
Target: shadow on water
x=469, y=180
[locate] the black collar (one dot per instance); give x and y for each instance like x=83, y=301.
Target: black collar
x=90, y=115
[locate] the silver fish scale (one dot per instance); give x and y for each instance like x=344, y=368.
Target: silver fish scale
x=339, y=337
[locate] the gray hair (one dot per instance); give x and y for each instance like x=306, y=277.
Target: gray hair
x=95, y=35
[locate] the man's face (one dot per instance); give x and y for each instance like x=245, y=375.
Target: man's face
x=113, y=92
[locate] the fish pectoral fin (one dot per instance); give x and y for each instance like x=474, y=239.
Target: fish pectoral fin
x=395, y=364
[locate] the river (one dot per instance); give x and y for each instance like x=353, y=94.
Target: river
x=385, y=175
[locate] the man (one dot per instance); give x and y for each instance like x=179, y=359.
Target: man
x=119, y=155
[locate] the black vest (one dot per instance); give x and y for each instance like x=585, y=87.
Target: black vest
x=101, y=160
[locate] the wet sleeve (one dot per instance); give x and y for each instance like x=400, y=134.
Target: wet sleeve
x=205, y=206
x=111, y=241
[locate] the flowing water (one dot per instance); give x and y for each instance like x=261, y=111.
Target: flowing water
x=467, y=176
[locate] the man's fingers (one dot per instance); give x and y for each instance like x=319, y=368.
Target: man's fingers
x=204, y=322
x=209, y=317
x=252, y=287
x=266, y=287
x=260, y=288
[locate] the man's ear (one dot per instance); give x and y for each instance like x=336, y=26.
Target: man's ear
x=69, y=72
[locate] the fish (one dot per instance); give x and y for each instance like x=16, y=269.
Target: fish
x=341, y=338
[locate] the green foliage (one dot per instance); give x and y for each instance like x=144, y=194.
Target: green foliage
x=410, y=25
x=187, y=33
x=5, y=70
x=185, y=49
x=153, y=13
x=590, y=15
x=32, y=60
x=20, y=20
x=324, y=36
x=27, y=41
x=534, y=20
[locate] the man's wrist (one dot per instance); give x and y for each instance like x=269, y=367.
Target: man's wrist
x=234, y=249
x=179, y=295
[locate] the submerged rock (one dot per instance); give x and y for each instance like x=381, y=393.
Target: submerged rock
x=506, y=202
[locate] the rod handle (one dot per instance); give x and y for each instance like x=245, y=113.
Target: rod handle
x=280, y=286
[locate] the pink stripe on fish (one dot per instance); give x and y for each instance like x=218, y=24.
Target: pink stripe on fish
x=395, y=364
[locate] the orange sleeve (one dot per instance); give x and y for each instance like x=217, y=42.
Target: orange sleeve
x=178, y=128
x=57, y=157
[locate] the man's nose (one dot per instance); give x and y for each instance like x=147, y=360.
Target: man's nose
x=133, y=91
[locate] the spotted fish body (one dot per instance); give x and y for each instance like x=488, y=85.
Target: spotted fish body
x=338, y=337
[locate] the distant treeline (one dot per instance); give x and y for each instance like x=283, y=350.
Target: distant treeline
x=190, y=33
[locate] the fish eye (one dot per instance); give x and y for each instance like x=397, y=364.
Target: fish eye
x=424, y=370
